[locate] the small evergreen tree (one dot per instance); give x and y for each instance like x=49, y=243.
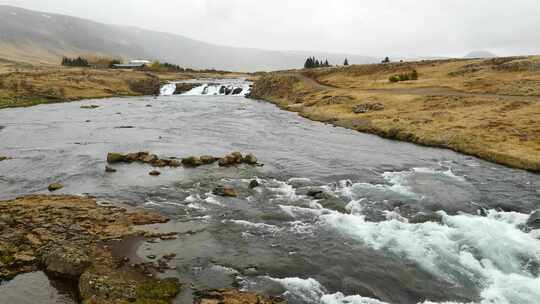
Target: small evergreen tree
x=386, y=60
x=346, y=62
x=326, y=64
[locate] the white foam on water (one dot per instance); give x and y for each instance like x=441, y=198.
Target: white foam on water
x=220, y=89
x=448, y=172
x=151, y=203
x=196, y=206
x=172, y=204
x=167, y=89
x=285, y=191
x=295, y=211
x=192, y=198
x=491, y=251
x=311, y=291
x=258, y=226
x=211, y=199
x=398, y=182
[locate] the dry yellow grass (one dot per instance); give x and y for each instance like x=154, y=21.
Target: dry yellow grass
x=486, y=108
x=23, y=84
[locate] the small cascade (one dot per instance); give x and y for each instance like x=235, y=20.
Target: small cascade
x=241, y=89
x=167, y=89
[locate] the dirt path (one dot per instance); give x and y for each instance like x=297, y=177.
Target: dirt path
x=425, y=91
x=444, y=91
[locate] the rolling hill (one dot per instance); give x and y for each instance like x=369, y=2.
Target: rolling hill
x=39, y=37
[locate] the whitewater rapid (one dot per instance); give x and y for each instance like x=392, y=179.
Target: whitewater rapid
x=212, y=87
x=496, y=253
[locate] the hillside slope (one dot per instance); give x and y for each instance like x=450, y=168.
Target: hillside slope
x=43, y=38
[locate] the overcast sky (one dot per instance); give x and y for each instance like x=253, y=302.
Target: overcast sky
x=364, y=27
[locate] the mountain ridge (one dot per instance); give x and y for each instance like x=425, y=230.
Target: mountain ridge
x=42, y=37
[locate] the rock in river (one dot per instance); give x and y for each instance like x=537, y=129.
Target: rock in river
x=191, y=161
x=55, y=186
x=534, y=220
x=224, y=191
x=154, y=173
x=207, y=159
x=109, y=169
x=250, y=159
x=113, y=158
x=254, y=184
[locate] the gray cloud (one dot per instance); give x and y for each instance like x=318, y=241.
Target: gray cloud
x=367, y=27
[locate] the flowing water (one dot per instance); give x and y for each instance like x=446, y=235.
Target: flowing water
x=360, y=240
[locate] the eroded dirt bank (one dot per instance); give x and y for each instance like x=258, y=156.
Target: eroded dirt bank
x=485, y=108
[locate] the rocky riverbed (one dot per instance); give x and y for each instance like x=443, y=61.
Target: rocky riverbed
x=70, y=237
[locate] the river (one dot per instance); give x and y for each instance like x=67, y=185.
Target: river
x=363, y=238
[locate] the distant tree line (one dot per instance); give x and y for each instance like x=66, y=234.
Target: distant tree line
x=75, y=62
x=312, y=63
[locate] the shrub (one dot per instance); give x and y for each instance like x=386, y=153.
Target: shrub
x=394, y=78
x=404, y=77
x=414, y=75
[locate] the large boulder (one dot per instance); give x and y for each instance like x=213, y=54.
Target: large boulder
x=237, y=91
x=64, y=260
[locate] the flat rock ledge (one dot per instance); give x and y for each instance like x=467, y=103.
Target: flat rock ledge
x=69, y=237
x=72, y=237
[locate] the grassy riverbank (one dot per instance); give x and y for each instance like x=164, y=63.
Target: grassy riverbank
x=23, y=84
x=486, y=108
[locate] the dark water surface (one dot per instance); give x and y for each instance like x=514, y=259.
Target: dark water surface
x=354, y=244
